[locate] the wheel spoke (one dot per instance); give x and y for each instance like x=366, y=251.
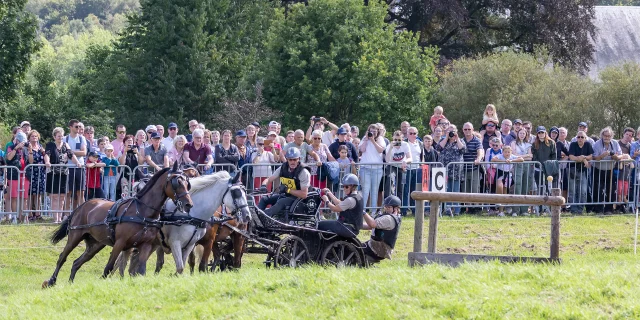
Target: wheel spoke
x=342, y=252
x=349, y=257
x=297, y=258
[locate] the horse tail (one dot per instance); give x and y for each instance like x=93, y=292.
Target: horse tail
x=62, y=231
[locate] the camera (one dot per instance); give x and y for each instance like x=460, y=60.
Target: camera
x=611, y=153
x=316, y=119
x=369, y=134
x=397, y=143
x=451, y=134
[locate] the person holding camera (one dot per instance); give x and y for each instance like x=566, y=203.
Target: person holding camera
x=384, y=230
x=452, y=149
x=318, y=123
x=350, y=209
x=371, y=170
x=294, y=178
x=398, y=158
x=605, y=151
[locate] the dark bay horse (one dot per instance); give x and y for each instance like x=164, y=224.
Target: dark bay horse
x=134, y=223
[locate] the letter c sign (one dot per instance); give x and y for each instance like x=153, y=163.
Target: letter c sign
x=439, y=182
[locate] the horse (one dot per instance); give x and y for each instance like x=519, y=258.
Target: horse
x=180, y=233
x=125, y=224
x=218, y=234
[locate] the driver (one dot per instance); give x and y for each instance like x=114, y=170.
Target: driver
x=385, y=229
x=350, y=208
x=294, y=183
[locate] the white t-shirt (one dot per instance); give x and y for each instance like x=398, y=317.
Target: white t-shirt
x=505, y=166
x=76, y=144
x=398, y=154
x=261, y=170
x=328, y=138
x=416, y=150
x=371, y=155
x=168, y=143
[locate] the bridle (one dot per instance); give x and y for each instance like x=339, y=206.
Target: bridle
x=174, y=180
x=236, y=193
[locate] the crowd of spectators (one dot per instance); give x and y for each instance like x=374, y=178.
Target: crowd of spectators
x=499, y=157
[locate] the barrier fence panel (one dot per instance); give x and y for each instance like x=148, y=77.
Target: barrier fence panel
x=12, y=193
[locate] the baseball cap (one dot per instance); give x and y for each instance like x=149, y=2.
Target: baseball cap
x=108, y=147
x=517, y=121
x=172, y=125
x=155, y=135
x=582, y=124
x=554, y=128
x=241, y=133
x=24, y=123
x=255, y=124
x=272, y=133
x=273, y=123
x=541, y=129
x=151, y=128
x=342, y=131
x=92, y=154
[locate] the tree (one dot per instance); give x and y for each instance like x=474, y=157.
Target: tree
x=339, y=59
x=17, y=43
x=618, y=94
x=520, y=85
x=467, y=27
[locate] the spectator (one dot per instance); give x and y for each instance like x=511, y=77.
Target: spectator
x=543, y=150
x=155, y=155
x=414, y=171
x=35, y=174
x=25, y=126
x=489, y=132
x=227, y=154
x=583, y=127
x=201, y=126
x=263, y=161
x=298, y=142
x=289, y=138
x=206, y=139
x=355, y=132
x=581, y=153
x=521, y=173
x=150, y=130
x=57, y=153
x=256, y=126
x=92, y=143
x=346, y=164
x=438, y=113
x=444, y=124
x=318, y=123
x=14, y=131
x=128, y=158
x=505, y=132
x=274, y=127
x=452, y=149
x=562, y=149
x=215, y=138
x=271, y=144
x=193, y=125
x=398, y=158
x=371, y=147
x=605, y=151
x=177, y=152
x=244, y=154
x=430, y=154
x=625, y=171
x=94, y=173
x=252, y=137
x=102, y=143
x=473, y=154
x=17, y=157
x=197, y=153
x=517, y=125
x=490, y=115
x=118, y=142
x=562, y=140
x=141, y=140
x=322, y=151
x=78, y=144
x=626, y=140
x=160, y=131
x=110, y=173
x=527, y=125
x=437, y=134
x=504, y=178
x=342, y=141
x=404, y=126
x=173, y=133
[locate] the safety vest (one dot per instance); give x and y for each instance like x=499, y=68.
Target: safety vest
x=289, y=178
x=388, y=236
x=354, y=216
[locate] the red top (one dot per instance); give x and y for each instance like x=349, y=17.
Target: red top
x=93, y=176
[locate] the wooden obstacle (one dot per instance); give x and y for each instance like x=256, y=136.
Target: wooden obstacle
x=417, y=257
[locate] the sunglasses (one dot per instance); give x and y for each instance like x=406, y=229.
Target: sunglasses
x=397, y=140
x=491, y=125
x=293, y=160
x=261, y=144
x=170, y=129
x=78, y=127
x=580, y=137
x=466, y=129
x=413, y=133
x=317, y=138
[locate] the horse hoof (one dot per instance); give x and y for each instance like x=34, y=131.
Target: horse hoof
x=45, y=284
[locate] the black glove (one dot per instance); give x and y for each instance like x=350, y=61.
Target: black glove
x=263, y=189
x=283, y=188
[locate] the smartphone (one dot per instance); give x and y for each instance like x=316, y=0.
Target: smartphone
x=268, y=142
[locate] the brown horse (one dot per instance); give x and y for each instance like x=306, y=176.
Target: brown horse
x=134, y=224
x=218, y=234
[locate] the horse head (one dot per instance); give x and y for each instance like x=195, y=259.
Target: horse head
x=177, y=188
x=236, y=199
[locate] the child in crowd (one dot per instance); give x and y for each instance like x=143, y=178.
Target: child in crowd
x=504, y=176
x=490, y=114
x=94, y=173
x=110, y=173
x=346, y=164
x=624, y=173
x=101, y=144
x=430, y=153
x=438, y=113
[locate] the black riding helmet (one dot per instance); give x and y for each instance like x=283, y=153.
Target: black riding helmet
x=392, y=201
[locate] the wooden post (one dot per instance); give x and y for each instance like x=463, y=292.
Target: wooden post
x=419, y=226
x=555, y=226
x=434, y=213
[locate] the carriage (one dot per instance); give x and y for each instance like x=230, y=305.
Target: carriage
x=291, y=238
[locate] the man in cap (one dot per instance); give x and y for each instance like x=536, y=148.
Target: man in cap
x=155, y=155
x=294, y=178
x=350, y=209
x=384, y=230
x=274, y=127
x=517, y=125
x=318, y=123
x=173, y=133
x=26, y=127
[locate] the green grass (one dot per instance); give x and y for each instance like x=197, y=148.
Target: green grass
x=599, y=277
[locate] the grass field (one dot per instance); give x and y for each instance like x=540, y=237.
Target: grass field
x=599, y=277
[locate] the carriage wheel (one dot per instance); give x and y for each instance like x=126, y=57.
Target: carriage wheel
x=342, y=254
x=292, y=252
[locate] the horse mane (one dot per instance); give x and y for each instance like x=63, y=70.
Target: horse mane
x=202, y=182
x=149, y=185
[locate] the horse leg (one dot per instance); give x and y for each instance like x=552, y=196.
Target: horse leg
x=144, y=251
x=176, y=251
x=92, y=248
x=186, y=253
x=117, y=248
x=73, y=240
x=160, y=259
x=121, y=262
x=192, y=261
x=238, y=245
x=208, y=246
